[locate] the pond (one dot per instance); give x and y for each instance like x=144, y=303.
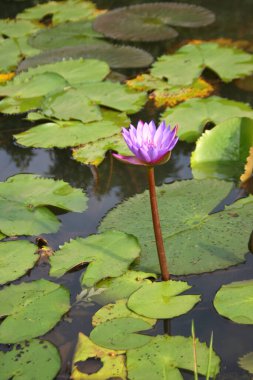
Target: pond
x=206, y=251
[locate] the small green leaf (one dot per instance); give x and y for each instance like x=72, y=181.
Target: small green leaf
x=34, y=359
x=121, y=333
x=162, y=300
x=25, y=307
x=246, y=362
x=16, y=257
x=109, y=253
x=235, y=301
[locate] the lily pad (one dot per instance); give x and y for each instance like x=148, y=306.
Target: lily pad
x=118, y=309
x=222, y=152
x=149, y=22
x=193, y=115
x=116, y=56
x=63, y=134
x=23, y=198
x=187, y=64
x=113, y=361
x=26, y=311
x=120, y=287
x=246, y=362
x=10, y=54
x=70, y=10
x=203, y=242
x=163, y=356
x=17, y=28
x=121, y=333
x=17, y=105
x=161, y=300
x=109, y=253
x=34, y=359
x=16, y=258
x=234, y=301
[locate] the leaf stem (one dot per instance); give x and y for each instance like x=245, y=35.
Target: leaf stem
x=157, y=226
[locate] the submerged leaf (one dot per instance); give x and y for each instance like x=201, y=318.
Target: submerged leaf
x=163, y=356
x=113, y=361
x=234, y=301
x=25, y=307
x=201, y=241
x=34, y=359
x=109, y=253
x=148, y=22
x=246, y=362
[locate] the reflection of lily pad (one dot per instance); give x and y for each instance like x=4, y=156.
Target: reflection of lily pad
x=222, y=152
x=162, y=300
x=113, y=361
x=234, y=301
x=201, y=241
x=194, y=114
x=25, y=307
x=35, y=359
x=16, y=257
x=110, y=255
x=148, y=22
x=121, y=333
x=162, y=357
x=113, y=289
x=187, y=64
x=23, y=201
x=246, y=362
x=115, y=55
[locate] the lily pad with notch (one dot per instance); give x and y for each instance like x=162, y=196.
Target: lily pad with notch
x=149, y=22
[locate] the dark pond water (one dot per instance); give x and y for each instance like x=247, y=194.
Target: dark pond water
x=116, y=182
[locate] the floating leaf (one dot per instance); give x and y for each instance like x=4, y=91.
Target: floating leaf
x=94, y=153
x=26, y=311
x=69, y=10
x=17, y=28
x=246, y=362
x=23, y=198
x=193, y=115
x=113, y=289
x=187, y=64
x=10, y=54
x=201, y=241
x=163, y=356
x=162, y=300
x=113, y=361
x=222, y=152
x=75, y=133
x=118, y=309
x=16, y=257
x=248, y=169
x=148, y=22
x=234, y=301
x=121, y=333
x=34, y=359
x=17, y=105
x=109, y=253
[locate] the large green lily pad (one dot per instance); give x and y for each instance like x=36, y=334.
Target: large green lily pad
x=34, y=359
x=109, y=253
x=201, y=241
x=23, y=198
x=27, y=311
x=17, y=105
x=121, y=333
x=17, y=28
x=246, y=362
x=163, y=356
x=149, y=22
x=70, y=10
x=193, y=115
x=187, y=64
x=234, y=301
x=63, y=134
x=113, y=289
x=9, y=54
x=222, y=152
x=162, y=300
x=113, y=361
x=16, y=258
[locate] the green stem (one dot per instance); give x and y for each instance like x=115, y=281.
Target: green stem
x=157, y=226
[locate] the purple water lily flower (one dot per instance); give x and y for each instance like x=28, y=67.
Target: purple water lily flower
x=149, y=145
